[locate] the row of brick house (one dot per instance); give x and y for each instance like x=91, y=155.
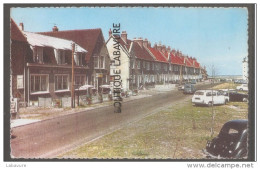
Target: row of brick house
x=143, y=65
x=41, y=63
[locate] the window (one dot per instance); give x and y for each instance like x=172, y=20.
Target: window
x=38, y=54
x=132, y=64
x=61, y=82
x=165, y=67
x=147, y=65
x=99, y=62
x=95, y=61
x=138, y=64
x=170, y=67
x=143, y=64
x=80, y=80
x=39, y=83
x=158, y=66
x=176, y=68
x=61, y=57
x=80, y=57
x=102, y=62
x=152, y=66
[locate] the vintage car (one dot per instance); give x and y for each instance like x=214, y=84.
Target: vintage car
x=189, y=88
x=208, y=97
x=181, y=87
x=238, y=97
x=243, y=87
x=231, y=141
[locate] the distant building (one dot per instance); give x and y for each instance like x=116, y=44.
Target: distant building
x=245, y=69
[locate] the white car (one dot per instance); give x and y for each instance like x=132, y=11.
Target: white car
x=208, y=97
x=243, y=87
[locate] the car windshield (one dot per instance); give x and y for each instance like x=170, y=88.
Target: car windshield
x=199, y=93
x=187, y=86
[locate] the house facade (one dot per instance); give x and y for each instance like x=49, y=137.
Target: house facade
x=41, y=68
x=97, y=57
x=144, y=65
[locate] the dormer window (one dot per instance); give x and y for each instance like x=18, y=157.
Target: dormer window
x=38, y=54
x=79, y=59
x=60, y=56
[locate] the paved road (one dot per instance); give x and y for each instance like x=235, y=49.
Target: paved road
x=51, y=137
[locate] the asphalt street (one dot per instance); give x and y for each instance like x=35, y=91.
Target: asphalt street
x=48, y=138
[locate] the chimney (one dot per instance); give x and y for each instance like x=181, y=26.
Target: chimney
x=169, y=49
x=55, y=29
x=155, y=46
x=145, y=43
x=163, y=48
x=110, y=32
x=149, y=44
x=21, y=27
x=140, y=41
x=159, y=47
x=124, y=36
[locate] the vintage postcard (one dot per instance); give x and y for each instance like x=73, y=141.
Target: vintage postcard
x=131, y=82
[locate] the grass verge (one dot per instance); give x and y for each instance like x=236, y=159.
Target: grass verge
x=179, y=132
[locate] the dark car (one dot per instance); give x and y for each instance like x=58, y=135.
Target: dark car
x=238, y=97
x=231, y=141
x=193, y=81
x=189, y=89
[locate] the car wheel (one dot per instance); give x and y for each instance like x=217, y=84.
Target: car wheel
x=241, y=89
x=210, y=104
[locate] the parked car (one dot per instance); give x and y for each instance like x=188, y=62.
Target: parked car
x=240, y=81
x=208, y=97
x=243, y=87
x=231, y=141
x=193, y=81
x=181, y=87
x=225, y=94
x=238, y=97
x=189, y=89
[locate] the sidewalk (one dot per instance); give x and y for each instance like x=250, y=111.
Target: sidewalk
x=35, y=114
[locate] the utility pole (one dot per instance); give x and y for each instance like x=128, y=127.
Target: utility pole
x=181, y=74
x=72, y=76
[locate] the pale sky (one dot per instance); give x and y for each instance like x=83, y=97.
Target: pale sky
x=215, y=36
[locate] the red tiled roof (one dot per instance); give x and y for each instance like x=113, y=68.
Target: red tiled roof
x=159, y=56
x=196, y=64
x=16, y=34
x=189, y=62
x=176, y=60
x=141, y=52
x=86, y=38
